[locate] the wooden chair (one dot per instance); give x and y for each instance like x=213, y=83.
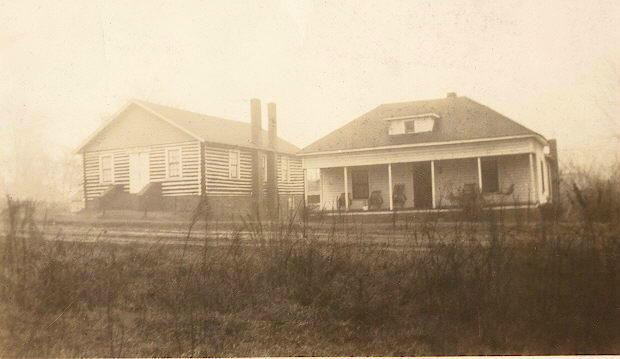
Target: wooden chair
x=375, y=201
x=398, y=197
x=341, y=199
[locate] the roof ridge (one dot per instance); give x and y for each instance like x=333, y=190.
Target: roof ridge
x=147, y=103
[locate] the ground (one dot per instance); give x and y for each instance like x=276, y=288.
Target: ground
x=89, y=286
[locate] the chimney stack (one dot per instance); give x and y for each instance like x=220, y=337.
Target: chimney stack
x=272, y=126
x=256, y=122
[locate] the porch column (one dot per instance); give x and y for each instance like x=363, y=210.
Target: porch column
x=321, y=201
x=479, y=175
x=305, y=187
x=390, y=186
x=533, y=190
x=433, y=182
x=346, y=189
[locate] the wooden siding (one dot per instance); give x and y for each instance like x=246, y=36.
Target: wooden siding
x=295, y=183
x=218, y=181
x=187, y=184
x=92, y=183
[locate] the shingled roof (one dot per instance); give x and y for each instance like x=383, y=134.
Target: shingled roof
x=460, y=118
x=205, y=128
x=215, y=129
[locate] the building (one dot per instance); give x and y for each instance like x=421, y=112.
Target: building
x=430, y=155
x=154, y=157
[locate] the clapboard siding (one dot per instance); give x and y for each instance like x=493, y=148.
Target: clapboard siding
x=188, y=184
x=216, y=171
x=93, y=186
x=218, y=181
x=295, y=184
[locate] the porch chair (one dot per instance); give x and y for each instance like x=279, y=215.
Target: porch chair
x=341, y=199
x=375, y=201
x=398, y=197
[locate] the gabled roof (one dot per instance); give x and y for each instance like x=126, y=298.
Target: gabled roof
x=204, y=128
x=460, y=119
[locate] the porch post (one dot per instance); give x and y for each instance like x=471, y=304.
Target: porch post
x=305, y=187
x=390, y=186
x=533, y=190
x=321, y=199
x=479, y=175
x=346, y=189
x=433, y=182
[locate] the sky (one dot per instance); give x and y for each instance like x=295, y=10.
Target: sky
x=65, y=66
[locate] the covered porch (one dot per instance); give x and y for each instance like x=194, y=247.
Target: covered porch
x=441, y=184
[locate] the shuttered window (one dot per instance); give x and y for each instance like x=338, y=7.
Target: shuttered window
x=286, y=169
x=359, y=180
x=174, y=162
x=233, y=164
x=106, y=169
x=490, y=177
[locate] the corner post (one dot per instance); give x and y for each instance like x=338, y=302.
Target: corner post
x=390, y=186
x=433, y=183
x=305, y=187
x=533, y=189
x=479, y=174
x=346, y=189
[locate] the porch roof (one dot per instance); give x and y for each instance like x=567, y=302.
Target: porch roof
x=460, y=118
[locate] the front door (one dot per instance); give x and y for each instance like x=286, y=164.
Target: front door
x=138, y=171
x=422, y=185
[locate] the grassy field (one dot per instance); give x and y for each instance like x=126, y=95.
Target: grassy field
x=335, y=287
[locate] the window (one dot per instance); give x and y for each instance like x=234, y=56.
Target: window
x=233, y=164
x=286, y=169
x=490, y=178
x=173, y=161
x=360, y=184
x=410, y=126
x=313, y=179
x=542, y=175
x=106, y=169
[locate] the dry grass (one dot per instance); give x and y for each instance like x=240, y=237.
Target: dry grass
x=455, y=288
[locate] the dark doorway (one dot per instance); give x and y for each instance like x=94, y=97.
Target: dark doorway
x=422, y=185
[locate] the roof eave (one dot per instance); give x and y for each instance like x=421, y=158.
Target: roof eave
x=536, y=136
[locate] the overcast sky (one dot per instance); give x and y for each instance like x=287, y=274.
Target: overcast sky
x=550, y=65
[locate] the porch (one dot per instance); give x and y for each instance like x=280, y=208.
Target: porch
x=513, y=180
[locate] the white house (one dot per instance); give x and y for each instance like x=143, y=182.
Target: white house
x=164, y=158
x=429, y=155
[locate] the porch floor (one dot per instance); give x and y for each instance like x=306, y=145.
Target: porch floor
x=426, y=210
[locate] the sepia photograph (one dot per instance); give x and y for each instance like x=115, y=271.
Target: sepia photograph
x=304, y=178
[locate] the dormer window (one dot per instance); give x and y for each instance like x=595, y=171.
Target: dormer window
x=412, y=124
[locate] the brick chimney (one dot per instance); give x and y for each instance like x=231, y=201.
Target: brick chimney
x=257, y=178
x=272, y=169
x=255, y=112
